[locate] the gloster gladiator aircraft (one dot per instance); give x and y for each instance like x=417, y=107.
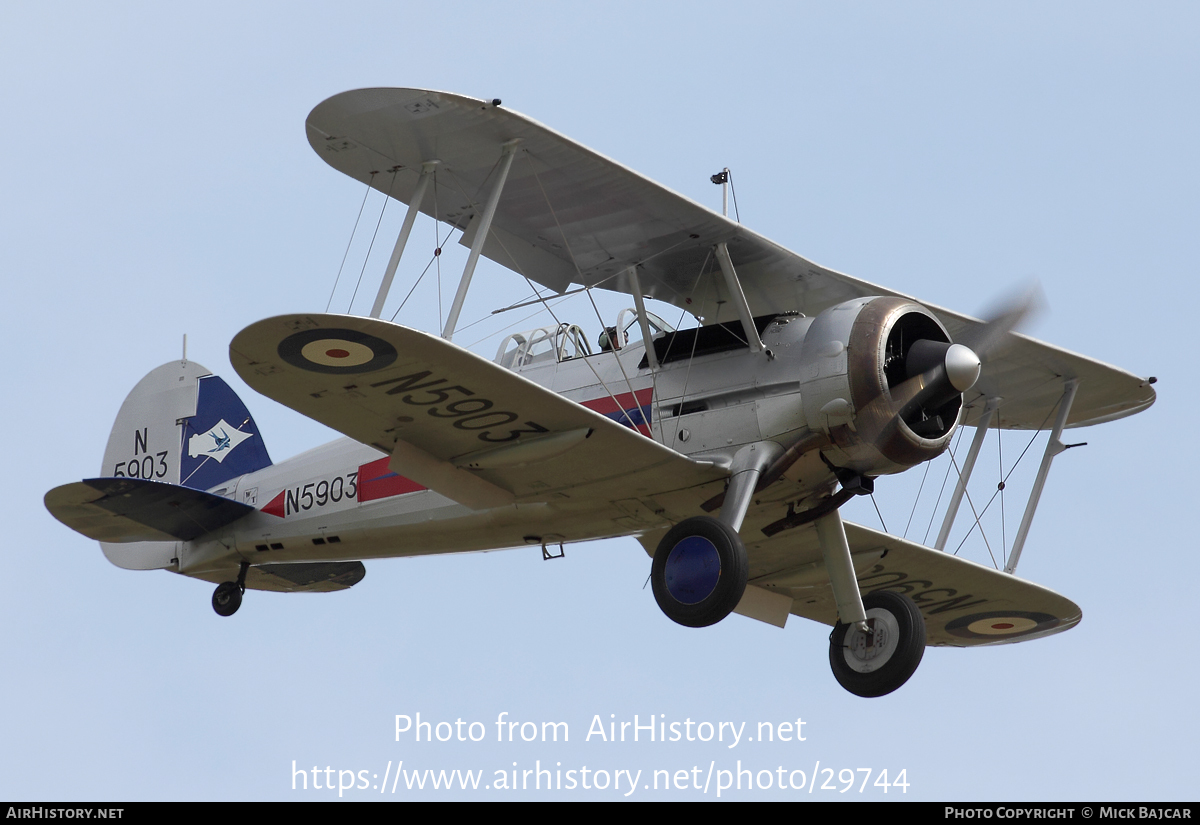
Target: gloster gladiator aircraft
x=726, y=449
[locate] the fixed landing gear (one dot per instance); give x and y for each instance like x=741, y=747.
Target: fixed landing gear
x=876, y=663
x=699, y=571
x=227, y=598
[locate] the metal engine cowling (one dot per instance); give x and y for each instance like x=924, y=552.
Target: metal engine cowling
x=855, y=358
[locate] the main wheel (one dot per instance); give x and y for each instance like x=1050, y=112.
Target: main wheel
x=227, y=598
x=875, y=664
x=699, y=571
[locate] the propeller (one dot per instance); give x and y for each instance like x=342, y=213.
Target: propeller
x=922, y=380
x=937, y=372
x=1002, y=318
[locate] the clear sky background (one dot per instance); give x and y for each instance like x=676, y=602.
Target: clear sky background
x=156, y=181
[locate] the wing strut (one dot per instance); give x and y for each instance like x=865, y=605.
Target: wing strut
x=640, y=303
x=1053, y=447
x=507, y=153
x=981, y=429
x=738, y=297
x=414, y=206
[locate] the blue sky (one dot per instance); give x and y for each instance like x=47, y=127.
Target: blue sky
x=157, y=182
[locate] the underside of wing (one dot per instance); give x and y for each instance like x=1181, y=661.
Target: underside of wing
x=1028, y=376
x=452, y=421
x=964, y=604
x=569, y=215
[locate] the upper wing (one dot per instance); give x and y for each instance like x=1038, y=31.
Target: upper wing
x=452, y=421
x=570, y=215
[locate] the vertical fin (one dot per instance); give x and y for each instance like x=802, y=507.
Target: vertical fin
x=221, y=441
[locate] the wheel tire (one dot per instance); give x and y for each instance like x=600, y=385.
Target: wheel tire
x=699, y=572
x=899, y=644
x=227, y=598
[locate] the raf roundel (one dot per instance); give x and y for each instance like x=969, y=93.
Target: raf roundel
x=336, y=351
x=1001, y=624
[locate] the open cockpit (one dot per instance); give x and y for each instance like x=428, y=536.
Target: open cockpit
x=564, y=342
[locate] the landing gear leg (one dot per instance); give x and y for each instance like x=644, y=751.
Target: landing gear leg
x=878, y=641
x=227, y=598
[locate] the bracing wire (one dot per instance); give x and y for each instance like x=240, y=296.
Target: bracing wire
x=345, y=254
x=435, y=257
x=1000, y=487
x=374, y=235
x=941, y=492
x=881, y=521
x=545, y=303
x=928, y=464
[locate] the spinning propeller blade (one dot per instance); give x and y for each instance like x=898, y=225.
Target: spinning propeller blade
x=1004, y=316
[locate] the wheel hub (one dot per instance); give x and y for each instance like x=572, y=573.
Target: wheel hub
x=867, y=652
x=693, y=570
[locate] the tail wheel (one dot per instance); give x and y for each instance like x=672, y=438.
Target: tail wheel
x=227, y=598
x=699, y=572
x=876, y=663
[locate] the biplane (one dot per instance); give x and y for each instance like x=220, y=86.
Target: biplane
x=726, y=448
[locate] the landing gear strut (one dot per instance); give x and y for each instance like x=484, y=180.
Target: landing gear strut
x=877, y=662
x=227, y=598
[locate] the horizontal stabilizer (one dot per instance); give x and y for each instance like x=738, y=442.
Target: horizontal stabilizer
x=306, y=577
x=133, y=509
x=294, y=577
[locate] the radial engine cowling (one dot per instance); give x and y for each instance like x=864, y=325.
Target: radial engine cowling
x=883, y=378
